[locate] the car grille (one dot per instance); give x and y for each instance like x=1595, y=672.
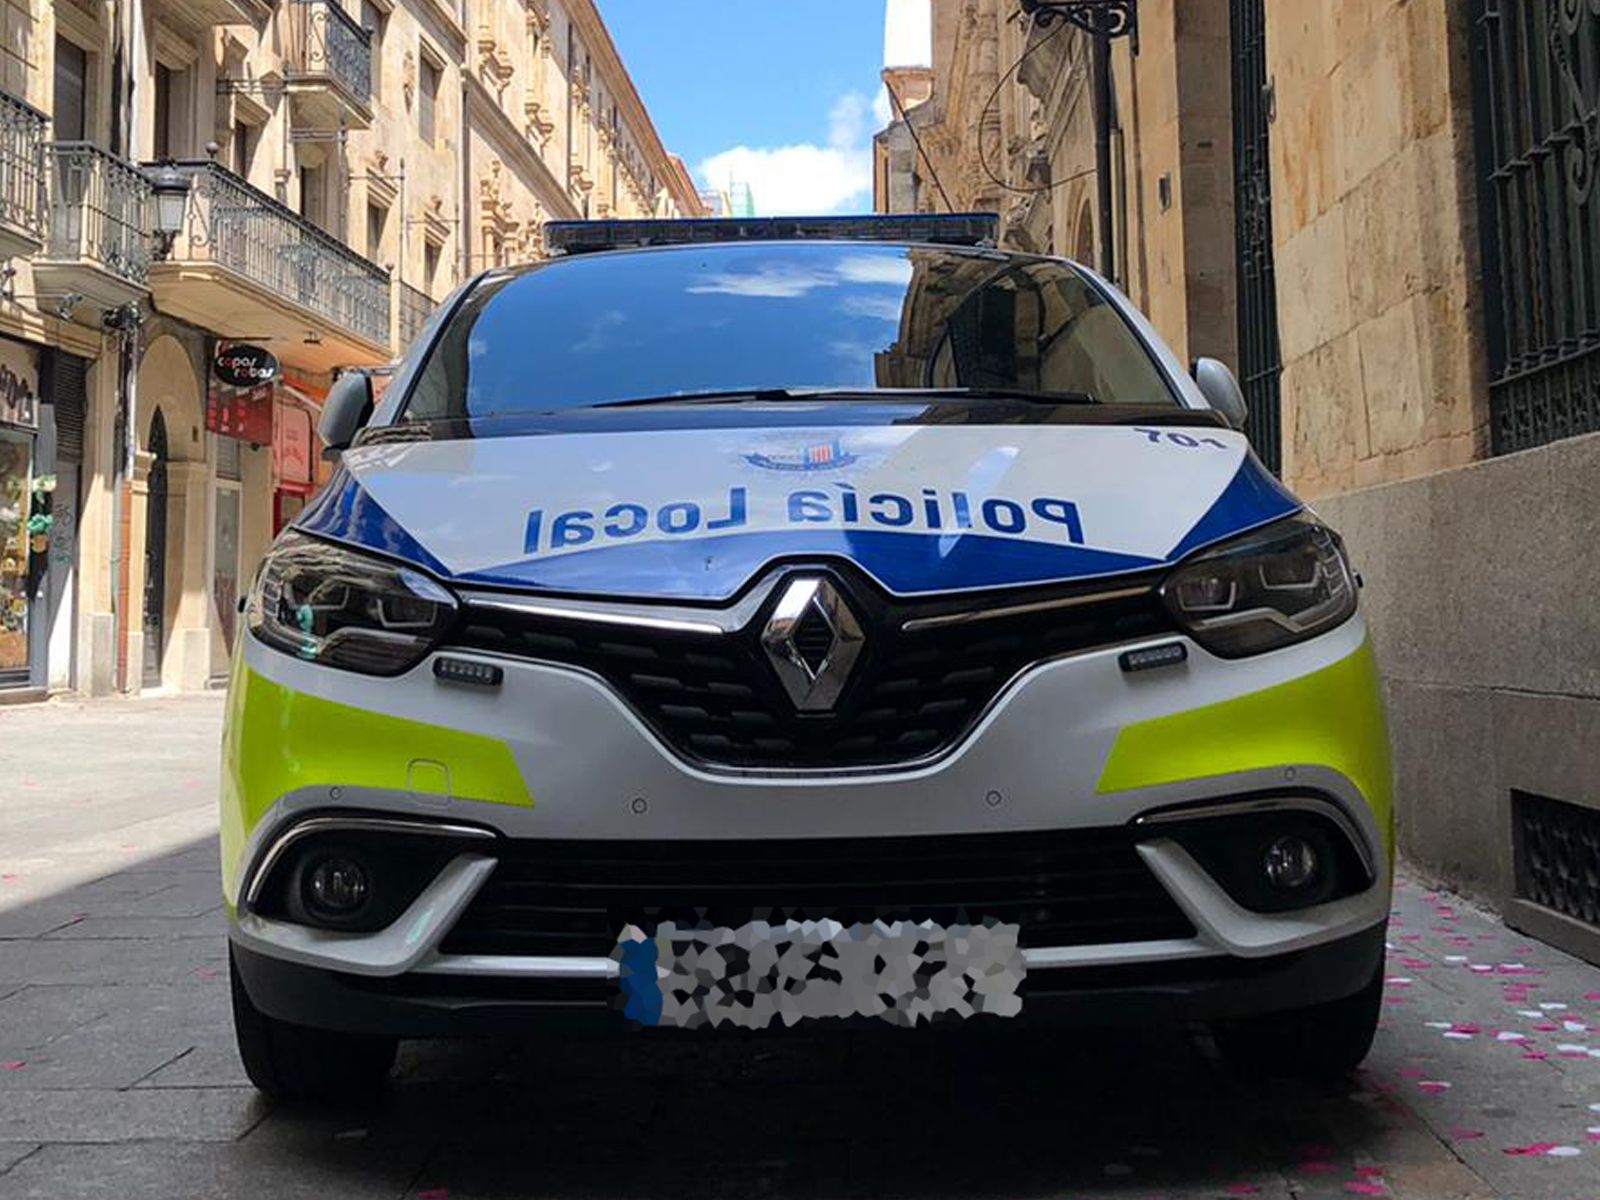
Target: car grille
x=1063, y=888
x=715, y=699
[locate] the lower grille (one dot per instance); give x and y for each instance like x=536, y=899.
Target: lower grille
x=1071, y=888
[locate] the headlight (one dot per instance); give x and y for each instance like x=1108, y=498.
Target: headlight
x=330, y=605
x=1271, y=588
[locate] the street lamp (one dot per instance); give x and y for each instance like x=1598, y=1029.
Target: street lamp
x=1105, y=18
x=171, y=189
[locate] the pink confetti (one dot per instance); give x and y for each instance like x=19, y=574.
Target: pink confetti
x=1433, y=1087
x=205, y=972
x=1460, y=1133
x=1536, y=1055
x=1459, y=1027
x=9, y=878
x=1317, y=1168
x=434, y=1194
x=1547, y=1027
x=1411, y=1072
x=1362, y=1188
x=1415, y=964
x=15, y=1064
x=1530, y=1151
x=1370, y=1172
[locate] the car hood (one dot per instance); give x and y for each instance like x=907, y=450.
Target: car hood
x=696, y=514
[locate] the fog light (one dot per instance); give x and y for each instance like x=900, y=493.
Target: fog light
x=336, y=887
x=1291, y=864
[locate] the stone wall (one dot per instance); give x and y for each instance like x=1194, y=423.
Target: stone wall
x=1479, y=585
x=1375, y=230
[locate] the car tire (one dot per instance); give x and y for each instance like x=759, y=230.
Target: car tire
x=297, y=1064
x=1323, y=1042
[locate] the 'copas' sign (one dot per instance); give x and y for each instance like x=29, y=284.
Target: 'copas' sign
x=244, y=366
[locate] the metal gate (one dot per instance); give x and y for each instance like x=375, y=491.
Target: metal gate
x=1260, y=363
x=1536, y=93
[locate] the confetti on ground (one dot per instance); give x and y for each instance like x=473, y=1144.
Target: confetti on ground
x=1366, y=1187
x=1433, y=1087
x=15, y=1064
x=434, y=1194
x=1460, y=1133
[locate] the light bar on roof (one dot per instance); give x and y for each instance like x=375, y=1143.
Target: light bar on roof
x=948, y=229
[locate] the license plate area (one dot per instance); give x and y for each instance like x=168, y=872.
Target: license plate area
x=761, y=974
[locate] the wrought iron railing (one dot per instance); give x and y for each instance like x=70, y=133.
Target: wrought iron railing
x=99, y=210
x=328, y=41
x=22, y=131
x=416, y=306
x=1536, y=80
x=234, y=225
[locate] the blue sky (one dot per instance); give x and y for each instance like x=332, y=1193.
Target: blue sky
x=779, y=94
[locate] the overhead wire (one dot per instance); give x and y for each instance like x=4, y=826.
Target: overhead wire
x=994, y=96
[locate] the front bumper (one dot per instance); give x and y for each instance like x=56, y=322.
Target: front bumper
x=1168, y=992
x=1076, y=745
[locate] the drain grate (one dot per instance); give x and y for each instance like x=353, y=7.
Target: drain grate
x=1557, y=849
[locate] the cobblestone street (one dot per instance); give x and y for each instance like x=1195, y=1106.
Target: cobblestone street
x=118, y=1076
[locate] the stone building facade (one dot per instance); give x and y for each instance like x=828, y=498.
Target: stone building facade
x=1386, y=215
x=343, y=165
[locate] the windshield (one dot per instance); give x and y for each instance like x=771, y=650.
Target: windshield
x=604, y=328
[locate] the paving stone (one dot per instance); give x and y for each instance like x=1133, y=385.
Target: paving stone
x=103, y=1115
x=145, y=1171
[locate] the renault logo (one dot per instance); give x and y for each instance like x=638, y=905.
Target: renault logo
x=812, y=640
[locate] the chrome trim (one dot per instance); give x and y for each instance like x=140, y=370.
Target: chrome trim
x=1041, y=958
x=917, y=624
x=633, y=620
x=1234, y=808
x=310, y=825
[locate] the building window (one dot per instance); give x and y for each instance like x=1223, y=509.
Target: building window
x=374, y=19
x=430, y=266
x=377, y=219
x=71, y=91
x=162, y=140
x=312, y=194
x=428, y=101
x=240, y=150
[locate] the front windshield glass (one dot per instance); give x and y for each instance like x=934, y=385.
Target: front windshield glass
x=707, y=319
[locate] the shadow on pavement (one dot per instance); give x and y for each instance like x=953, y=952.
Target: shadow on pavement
x=114, y=1001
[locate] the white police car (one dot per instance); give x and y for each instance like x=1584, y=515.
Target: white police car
x=731, y=624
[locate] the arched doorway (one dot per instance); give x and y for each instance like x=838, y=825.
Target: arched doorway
x=155, y=552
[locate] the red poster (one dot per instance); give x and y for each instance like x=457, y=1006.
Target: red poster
x=291, y=445
x=243, y=413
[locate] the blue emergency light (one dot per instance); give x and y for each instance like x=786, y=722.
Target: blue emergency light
x=945, y=229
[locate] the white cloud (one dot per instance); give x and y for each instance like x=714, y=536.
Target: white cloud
x=806, y=178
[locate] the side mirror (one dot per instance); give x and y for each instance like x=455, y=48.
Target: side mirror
x=1222, y=391
x=347, y=409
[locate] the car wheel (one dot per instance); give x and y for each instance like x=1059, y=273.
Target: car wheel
x=1326, y=1041
x=298, y=1064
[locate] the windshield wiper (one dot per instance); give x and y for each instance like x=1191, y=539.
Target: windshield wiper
x=862, y=395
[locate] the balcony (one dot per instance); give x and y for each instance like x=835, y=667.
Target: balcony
x=245, y=266
x=97, y=245
x=194, y=16
x=21, y=177
x=328, y=74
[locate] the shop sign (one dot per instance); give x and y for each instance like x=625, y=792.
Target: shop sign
x=291, y=446
x=19, y=385
x=244, y=366
x=243, y=413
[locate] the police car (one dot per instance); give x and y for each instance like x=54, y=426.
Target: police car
x=731, y=625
